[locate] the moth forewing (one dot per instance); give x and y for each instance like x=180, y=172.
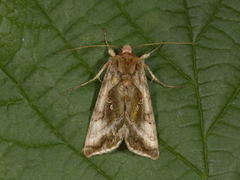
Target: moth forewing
x=142, y=136
x=102, y=134
x=123, y=110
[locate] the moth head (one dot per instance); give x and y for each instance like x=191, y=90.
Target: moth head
x=126, y=49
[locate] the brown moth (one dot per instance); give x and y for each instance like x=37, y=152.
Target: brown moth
x=123, y=110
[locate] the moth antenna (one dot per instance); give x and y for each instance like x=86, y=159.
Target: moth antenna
x=165, y=42
x=110, y=50
x=87, y=46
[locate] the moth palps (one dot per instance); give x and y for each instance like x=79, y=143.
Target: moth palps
x=123, y=110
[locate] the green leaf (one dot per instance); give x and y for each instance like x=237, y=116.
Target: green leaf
x=42, y=132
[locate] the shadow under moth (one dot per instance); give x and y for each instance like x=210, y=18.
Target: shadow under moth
x=123, y=110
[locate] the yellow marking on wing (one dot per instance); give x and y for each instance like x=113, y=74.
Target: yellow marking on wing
x=134, y=112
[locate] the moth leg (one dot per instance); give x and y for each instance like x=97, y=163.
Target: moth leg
x=110, y=50
x=91, y=80
x=147, y=55
x=154, y=78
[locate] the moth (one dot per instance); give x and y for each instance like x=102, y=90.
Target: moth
x=123, y=110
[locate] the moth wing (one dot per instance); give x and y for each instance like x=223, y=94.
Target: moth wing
x=104, y=129
x=141, y=137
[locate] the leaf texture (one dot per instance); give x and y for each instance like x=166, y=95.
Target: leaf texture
x=42, y=132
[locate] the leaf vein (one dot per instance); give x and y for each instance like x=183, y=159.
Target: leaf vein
x=223, y=109
x=197, y=93
x=181, y=157
x=210, y=19
x=25, y=145
x=75, y=54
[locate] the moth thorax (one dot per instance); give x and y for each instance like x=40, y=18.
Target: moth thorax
x=126, y=80
x=126, y=49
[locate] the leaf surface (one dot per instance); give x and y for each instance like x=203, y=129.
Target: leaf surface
x=42, y=132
